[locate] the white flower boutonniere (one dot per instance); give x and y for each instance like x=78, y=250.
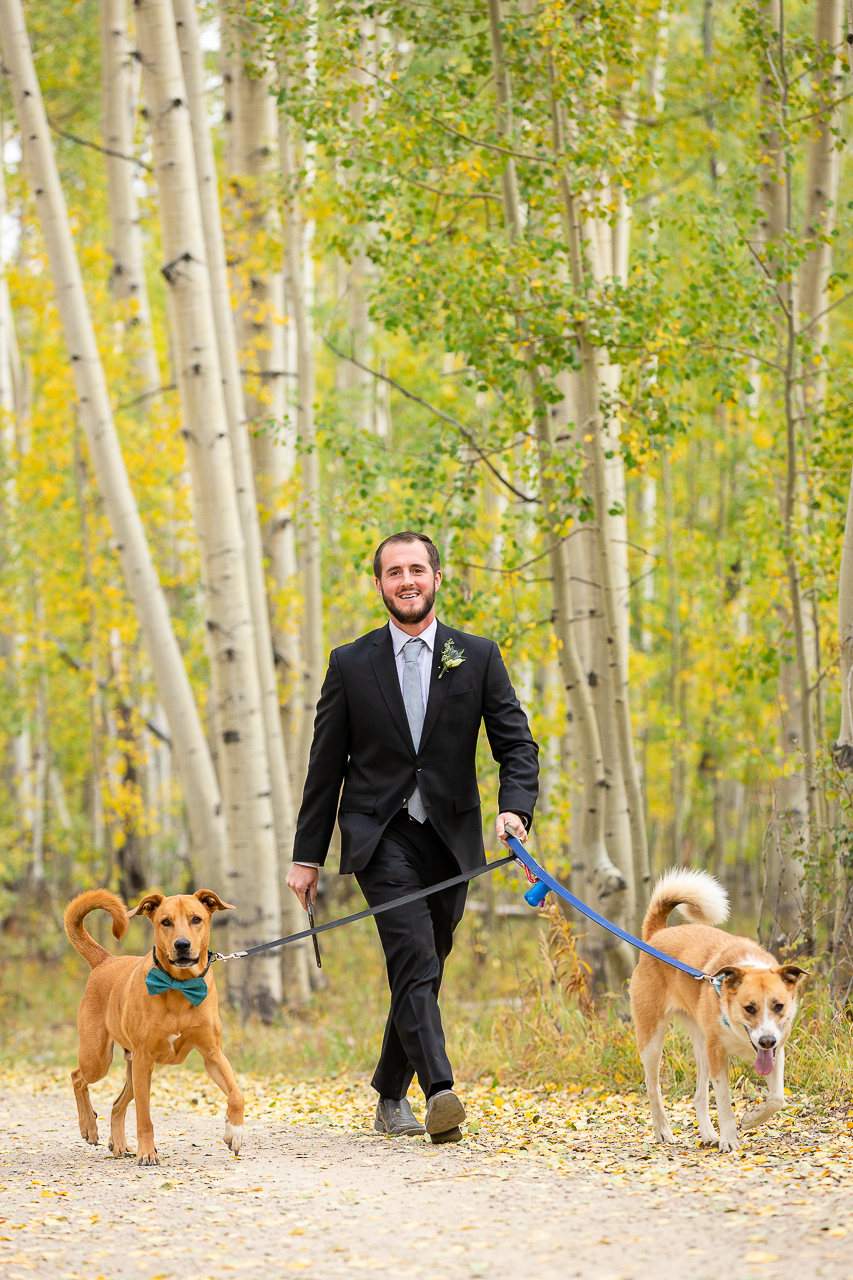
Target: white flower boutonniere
x=450, y=657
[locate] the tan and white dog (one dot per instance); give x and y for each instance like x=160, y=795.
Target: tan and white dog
x=751, y=1017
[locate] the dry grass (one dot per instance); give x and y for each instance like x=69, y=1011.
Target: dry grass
x=516, y=1009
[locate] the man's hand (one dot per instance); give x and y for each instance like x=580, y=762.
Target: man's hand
x=512, y=820
x=303, y=880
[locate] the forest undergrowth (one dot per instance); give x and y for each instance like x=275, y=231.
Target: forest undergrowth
x=512, y=1010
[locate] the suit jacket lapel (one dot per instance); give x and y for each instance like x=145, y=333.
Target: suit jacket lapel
x=385, y=667
x=437, y=688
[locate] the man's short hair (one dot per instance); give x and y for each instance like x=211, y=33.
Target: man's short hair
x=407, y=536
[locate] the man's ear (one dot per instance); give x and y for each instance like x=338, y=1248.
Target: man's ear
x=212, y=900
x=731, y=975
x=146, y=906
x=792, y=974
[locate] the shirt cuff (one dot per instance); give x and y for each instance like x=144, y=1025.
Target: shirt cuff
x=296, y=863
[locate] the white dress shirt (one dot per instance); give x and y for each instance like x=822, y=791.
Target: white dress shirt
x=400, y=638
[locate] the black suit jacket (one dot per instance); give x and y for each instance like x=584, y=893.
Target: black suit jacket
x=362, y=740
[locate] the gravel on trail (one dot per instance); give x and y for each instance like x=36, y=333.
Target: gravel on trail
x=549, y=1184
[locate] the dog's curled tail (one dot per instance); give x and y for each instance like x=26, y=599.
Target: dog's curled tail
x=702, y=899
x=91, y=951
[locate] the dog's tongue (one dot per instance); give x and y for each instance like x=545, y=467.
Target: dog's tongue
x=764, y=1061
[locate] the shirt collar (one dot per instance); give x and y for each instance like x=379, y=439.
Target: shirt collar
x=399, y=638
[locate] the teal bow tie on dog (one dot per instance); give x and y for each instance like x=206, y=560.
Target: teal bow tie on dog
x=158, y=982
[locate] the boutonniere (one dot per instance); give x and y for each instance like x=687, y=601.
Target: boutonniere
x=451, y=657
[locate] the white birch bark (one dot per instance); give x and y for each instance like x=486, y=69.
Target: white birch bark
x=12, y=407
x=241, y=456
x=606, y=878
x=127, y=279
x=299, y=268
x=41, y=762
x=612, y=539
x=263, y=384
x=239, y=716
x=192, y=755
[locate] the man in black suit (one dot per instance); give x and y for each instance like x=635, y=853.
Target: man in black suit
x=397, y=724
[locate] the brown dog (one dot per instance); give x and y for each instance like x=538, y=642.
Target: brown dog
x=749, y=1014
x=160, y=1027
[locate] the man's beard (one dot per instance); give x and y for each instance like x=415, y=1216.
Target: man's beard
x=410, y=618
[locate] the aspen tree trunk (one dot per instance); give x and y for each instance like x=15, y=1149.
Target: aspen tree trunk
x=238, y=710
x=265, y=334
x=821, y=198
x=12, y=404
x=843, y=750
x=582, y=568
x=678, y=771
x=192, y=755
x=606, y=878
x=354, y=380
x=127, y=279
x=796, y=796
x=41, y=763
x=295, y=959
x=310, y=549
x=261, y=315
x=592, y=422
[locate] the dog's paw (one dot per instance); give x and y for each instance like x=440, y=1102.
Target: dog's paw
x=728, y=1145
x=148, y=1158
x=709, y=1142
x=233, y=1136
x=121, y=1149
x=666, y=1137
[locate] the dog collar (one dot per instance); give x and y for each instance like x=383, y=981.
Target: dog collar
x=717, y=984
x=158, y=981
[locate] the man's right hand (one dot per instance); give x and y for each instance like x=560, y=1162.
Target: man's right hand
x=303, y=880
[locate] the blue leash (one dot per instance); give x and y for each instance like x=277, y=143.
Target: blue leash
x=536, y=895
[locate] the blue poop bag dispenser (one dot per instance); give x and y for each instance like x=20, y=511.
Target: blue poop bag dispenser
x=538, y=891
x=537, y=894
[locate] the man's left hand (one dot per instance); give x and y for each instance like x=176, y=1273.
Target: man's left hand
x=515, y=822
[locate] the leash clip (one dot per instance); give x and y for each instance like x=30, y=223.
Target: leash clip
x=235, y=955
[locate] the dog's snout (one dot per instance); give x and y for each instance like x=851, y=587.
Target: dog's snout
x=183, y=946
x=766, y=1042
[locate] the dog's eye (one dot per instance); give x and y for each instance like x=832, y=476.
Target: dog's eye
x=166, y=924
x=778, y=1007
x=196, y=920
x=750, y=1009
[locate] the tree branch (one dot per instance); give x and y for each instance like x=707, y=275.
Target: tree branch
x=105, y=151
x=439, y=413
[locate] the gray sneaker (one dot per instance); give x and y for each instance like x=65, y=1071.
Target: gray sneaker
x=444, y=1114
x=394, y=1116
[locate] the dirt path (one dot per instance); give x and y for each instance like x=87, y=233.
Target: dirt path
x=550, y=1185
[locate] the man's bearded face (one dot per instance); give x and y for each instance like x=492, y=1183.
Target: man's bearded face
x=408, y=584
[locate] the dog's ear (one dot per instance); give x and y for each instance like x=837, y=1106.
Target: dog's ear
x=731, y=975
x=212, y=900
x=146, y=906
x=792, y=974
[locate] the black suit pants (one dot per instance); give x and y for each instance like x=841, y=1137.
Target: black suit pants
x=417, y=940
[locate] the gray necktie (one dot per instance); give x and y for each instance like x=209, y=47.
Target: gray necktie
x=414, y=703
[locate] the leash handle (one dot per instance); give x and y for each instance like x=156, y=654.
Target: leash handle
x=309, y=907
x=538, y=891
